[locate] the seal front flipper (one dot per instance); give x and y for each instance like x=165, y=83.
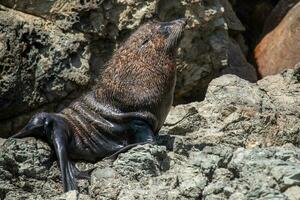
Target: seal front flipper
x=140, y=133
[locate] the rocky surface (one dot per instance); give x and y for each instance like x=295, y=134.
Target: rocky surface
x=238, y=64
x=241, y=142
x=51, y=51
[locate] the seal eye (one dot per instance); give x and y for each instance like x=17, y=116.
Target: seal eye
x=146, y=40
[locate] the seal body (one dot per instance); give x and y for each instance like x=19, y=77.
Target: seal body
x=126, y=107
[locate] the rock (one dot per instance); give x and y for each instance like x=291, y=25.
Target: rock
x=277, y=14
x=241, y=142
x=142, y=161
x=293, y=193
x=261, y=162
x=72, y=195
x=26, y=168
x=231, y=19
x=253, y=14
x=236, y=48
x=40, y=64
x=281, y=43
x=238, y=64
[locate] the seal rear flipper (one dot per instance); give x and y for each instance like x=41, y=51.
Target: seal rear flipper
x=28, y=132
x=57, y=129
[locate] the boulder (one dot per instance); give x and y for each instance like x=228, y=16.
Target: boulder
x=279, y=49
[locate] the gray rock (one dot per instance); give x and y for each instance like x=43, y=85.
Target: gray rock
x=71, y=195
x=241, y=142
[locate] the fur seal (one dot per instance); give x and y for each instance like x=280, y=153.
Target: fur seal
x=126, y=107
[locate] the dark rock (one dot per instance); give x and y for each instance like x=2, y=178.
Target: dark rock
x=238, y=64
x=40, y=64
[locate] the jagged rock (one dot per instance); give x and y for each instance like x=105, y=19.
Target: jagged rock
x=293, y=193
x=71, y=195
x=241, y=142
x=236, y=47
x=231, y=19
x=26, y=169
x=279, y=49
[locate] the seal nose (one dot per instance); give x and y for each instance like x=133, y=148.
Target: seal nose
x=182, y=21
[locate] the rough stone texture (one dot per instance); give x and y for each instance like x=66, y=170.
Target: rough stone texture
x=52, y=50
x=278, y=50
x=39, y=64
x=236, y=49
x=241, y=142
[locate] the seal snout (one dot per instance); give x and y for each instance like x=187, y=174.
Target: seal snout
x=176, y=28
x=181, y=21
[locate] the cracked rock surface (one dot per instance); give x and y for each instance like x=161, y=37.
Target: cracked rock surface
x=241, y=142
